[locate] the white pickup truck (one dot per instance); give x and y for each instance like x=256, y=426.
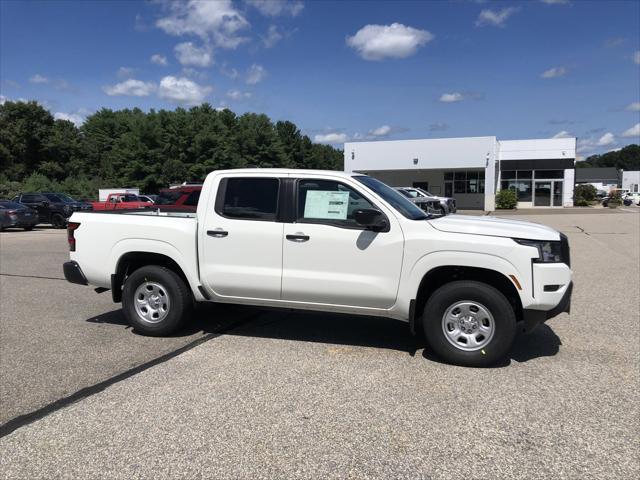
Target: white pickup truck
x=330, y=241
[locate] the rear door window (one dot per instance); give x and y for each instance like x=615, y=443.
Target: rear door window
x=248, y=198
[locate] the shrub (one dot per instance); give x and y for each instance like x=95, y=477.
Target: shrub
x=581, y=202
x=506, y=199
x=585, y=192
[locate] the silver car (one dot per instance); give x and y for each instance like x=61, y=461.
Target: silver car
x=446, y=204
x=429, y=205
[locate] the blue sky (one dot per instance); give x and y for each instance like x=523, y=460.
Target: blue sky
x=341, y=70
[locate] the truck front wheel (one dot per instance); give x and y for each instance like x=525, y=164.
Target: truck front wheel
x=469, y=323
x=155, y=300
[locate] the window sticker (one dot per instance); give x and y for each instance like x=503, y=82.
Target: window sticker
x=330, y=205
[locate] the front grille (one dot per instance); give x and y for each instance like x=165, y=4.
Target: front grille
x=564, y=249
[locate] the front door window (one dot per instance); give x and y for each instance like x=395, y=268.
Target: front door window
x=542, y=194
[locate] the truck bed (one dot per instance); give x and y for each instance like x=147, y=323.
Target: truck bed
x=104, y=237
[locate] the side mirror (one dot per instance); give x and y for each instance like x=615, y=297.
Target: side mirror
x=371, y=218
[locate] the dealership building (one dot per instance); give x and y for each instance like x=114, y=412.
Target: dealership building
x=473, y=169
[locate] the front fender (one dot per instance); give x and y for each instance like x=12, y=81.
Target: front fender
x=453, y=258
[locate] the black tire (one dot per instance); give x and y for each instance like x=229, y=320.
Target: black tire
x=175, y=289
x=57, y=220
x=504, y=323
x=28, y=229
x=443, y=212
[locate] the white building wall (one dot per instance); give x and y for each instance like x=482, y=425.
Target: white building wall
x=538, y=149
x=437, y=153
x=631, y=178
x=569, y=183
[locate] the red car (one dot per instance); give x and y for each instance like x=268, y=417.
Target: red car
x=184, y=199
x=121, y=201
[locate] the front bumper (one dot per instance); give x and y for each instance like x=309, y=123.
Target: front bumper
x=73, y=273
x=533, y=318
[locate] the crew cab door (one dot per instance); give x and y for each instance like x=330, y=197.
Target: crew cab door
x=329, y=259
x=240, y=244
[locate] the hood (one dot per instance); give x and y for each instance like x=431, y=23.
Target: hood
x=496, y=227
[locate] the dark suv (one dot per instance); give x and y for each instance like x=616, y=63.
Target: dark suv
x=53, y=208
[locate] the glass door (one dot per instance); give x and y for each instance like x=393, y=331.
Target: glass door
x=542, y=193
x=557, y=193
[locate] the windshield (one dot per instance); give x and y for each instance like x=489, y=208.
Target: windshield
x=393, y=198
x=66, y=198
x=168, y=197
x=426, y=193
x=53, y=198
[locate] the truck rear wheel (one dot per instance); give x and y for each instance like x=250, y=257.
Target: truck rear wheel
x=155, y=300
x=469, y=323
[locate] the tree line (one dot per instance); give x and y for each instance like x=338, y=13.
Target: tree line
x=149, y=150
x=627, y=158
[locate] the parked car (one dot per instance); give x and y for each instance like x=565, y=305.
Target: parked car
x=17, y=215
x=121, y=201
x=447, y=204
x=53, y=208
x=328, y=241
x=429, y=205
x=631, y=198
x=181, y=198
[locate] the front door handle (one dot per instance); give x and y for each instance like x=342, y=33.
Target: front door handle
x=217, y=233
x=298, y=237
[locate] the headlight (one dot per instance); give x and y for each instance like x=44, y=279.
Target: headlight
x=548, y=251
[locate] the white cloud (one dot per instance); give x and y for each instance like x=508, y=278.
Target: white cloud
x=256, y=74
x=562, y=134
x=451, y=97
x=188, y=54
x=131, y=87
x=3, y=99
x=272, y=37
x=275, y=8
x=636, y=57
x=182, y=90
x=382, y=131
x=606, y=139
x=633, y=107
x=37, y=78
x=126, y=72
x=193, y=73
x=494, y=18
x=376, y=42
x=633, y=131
x=75, y=118
x=554, y=72
x=158, y=59
x=438, y=127
x=331, y=138
x=238, y=95
x=217, y=22
x=555, y=2
x=232, y=73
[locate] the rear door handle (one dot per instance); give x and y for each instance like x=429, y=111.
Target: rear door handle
x=298, y=237
x=217, y=233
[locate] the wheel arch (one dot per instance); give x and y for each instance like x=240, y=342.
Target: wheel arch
x=441, y=275
x=131, y=261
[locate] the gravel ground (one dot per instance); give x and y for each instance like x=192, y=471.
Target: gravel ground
x=293, y=395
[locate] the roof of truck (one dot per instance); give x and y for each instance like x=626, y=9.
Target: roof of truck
x=280, y=171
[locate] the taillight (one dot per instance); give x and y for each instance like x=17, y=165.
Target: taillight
x=71, y=230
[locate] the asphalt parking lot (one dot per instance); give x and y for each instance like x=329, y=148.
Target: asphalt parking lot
x=246, y=393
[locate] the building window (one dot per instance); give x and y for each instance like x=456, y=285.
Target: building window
x=549, y=174
x=521, y=187
x=471, y=181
